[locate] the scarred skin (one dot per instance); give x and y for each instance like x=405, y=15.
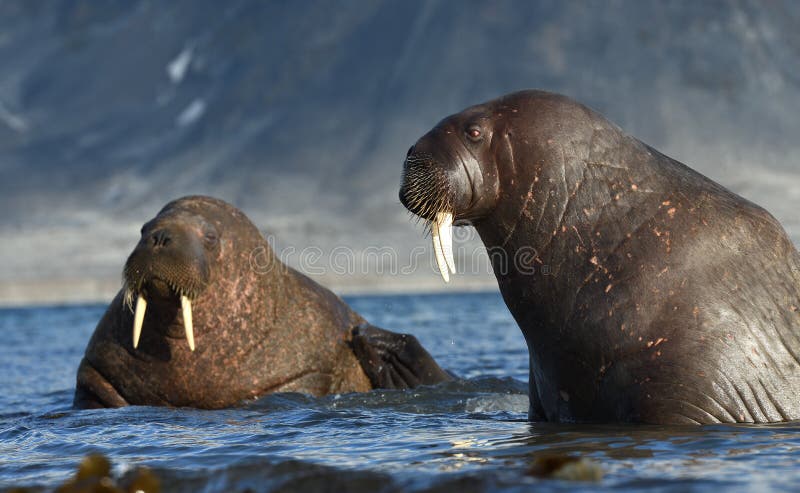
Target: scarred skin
x=645, y=291
x=259, y=326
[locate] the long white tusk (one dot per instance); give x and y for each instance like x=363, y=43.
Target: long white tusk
x=138, y=319
x=437, y=250
x=186, y=306
x=444, y=221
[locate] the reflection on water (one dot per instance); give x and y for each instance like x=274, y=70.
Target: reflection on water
x=467, y=435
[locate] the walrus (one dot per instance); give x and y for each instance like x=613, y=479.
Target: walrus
x=208, y=317
x=645, y=291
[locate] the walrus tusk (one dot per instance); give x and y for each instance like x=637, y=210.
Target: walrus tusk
x=186, y=306
x=445, y=222
x=437, y=250
x=138, y=319
x=442, y=234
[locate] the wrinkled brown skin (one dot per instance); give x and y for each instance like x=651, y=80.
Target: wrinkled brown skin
x=658, y=296
x=257, y=330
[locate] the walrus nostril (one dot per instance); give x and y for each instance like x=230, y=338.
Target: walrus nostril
x=160, y=239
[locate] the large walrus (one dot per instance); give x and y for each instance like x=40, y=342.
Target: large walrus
x=645, y=291
x=209, y=317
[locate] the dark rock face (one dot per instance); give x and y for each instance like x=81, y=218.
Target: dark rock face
x=117, y=106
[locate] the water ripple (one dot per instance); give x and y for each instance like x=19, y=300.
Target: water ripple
x=468, y=435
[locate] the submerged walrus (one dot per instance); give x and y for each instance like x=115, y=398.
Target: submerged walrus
x=645, y=291
x=218, y=319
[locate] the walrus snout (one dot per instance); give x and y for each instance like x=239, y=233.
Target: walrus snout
x=168, y=262
x=426, y=187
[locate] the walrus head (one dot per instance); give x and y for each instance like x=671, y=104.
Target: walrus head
x=500, y=163
x=451, y=175
x=176, y=260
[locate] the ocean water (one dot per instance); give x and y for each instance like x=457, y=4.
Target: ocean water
x=468, y=435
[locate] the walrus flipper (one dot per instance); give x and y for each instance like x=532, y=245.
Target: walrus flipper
x=394, y=361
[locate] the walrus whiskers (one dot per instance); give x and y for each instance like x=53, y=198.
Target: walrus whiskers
x=425, y=187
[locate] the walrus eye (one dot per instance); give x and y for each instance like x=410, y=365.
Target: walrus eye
x=474, y=133
x=211, y=238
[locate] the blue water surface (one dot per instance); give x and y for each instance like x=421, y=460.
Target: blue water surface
x=468, y=435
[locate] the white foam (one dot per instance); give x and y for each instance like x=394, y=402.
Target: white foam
x=513, y=403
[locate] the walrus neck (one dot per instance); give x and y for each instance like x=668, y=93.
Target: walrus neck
x=557, y=230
